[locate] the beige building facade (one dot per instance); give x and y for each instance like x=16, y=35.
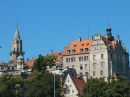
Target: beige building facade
x=99, y=56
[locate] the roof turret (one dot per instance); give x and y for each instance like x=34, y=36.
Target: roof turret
x=20, y=57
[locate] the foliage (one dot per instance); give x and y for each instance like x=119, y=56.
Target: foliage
x=99, y=88
x=41, y=84
x=43, y=61
x=94, y=87
x=8, y=87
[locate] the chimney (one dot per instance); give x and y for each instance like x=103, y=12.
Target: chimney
x=85, y=77
x=79, y=39
x=91, y=37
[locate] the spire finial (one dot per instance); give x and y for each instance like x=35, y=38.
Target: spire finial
x=108, y=22
x=17, y=24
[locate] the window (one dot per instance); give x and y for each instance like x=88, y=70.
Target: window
x=102, y=64
x=68, y=91
x=81, y=67
x=121, y=58
x=8, y=68
x=86, y=49
x=14, y=49
x=95, y=48
x=118, y=66
x=20, y=63
x=86, y=66
x=68, y=51
x=81, y=49
x=94, y=57
x=81, y=58
x=73, y=66
x=117, y=57
x=101, y=72
x=73, y=59
x=73, y=50
x=82, y=44
x=85, y=58
x=72, y=91
x=74, y=45
x=94, y=65
x=2, y=68
x=94, y=73
x=67, y=59
x=102, y=56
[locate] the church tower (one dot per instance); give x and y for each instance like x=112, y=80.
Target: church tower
x=16, y=46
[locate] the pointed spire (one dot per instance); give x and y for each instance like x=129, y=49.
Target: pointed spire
x=17, y=36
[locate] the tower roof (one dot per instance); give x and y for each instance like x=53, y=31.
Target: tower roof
x=17, y=36
x=20, y=57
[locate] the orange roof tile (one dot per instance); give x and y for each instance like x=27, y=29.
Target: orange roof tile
x=77, y=45
x=30, y=63
x=58, y=56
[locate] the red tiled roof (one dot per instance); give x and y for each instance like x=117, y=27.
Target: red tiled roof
x=79, y=83
x=30, y=63
x=58, y=56
x=77, y=45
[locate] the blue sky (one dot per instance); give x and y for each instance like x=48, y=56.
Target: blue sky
x=52, y=24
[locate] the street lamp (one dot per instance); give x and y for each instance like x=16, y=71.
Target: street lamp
x=54, y=84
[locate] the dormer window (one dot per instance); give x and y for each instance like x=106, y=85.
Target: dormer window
x=81, y=49
x=86, y=49
x=73, y=50
x=68, y=51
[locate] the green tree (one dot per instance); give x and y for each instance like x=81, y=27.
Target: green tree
x=118, y=88
x=41, y=84
x=43, y=61
x=94, y=88
x=99, y=88
x=10, y=86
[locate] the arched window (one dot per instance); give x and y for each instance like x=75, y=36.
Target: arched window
x=101, y=72
x=102, y=64
x=94, y=73
x=81, y=67
x=86, y=66
x=94, y=65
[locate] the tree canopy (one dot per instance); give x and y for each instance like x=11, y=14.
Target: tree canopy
x=42, y=84
x=99, y=88
x=43, y=61
x=10, y=86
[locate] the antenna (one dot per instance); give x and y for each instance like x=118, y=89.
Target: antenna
x=88, y=29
